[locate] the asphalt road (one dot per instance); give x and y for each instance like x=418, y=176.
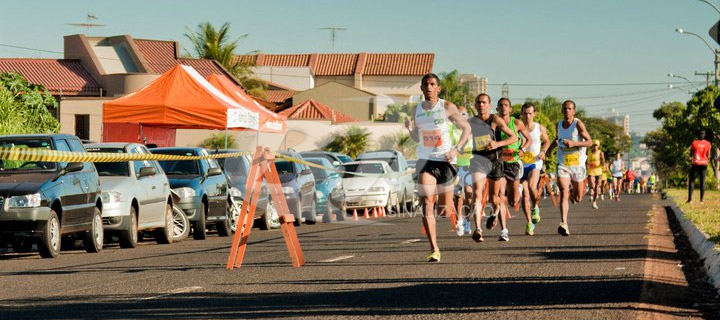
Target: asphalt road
x=368, y=269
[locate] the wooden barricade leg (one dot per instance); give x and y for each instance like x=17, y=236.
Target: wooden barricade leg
x=247, y=212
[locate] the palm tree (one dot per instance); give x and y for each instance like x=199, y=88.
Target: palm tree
x=211, y=43
x=352, y=143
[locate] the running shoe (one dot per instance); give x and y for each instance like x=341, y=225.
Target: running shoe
x=535, y=215
x=530, y=229
x=434, y=256
x=477, y=235
x=504, y=236
x=563, y=229
x=594, y=205
x=466, y=224
x=491, y=222
x=459, y=228
x=602, y=197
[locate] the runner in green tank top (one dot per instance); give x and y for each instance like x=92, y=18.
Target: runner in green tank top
x=511, y=153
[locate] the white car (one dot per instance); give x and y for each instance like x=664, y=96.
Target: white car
x=374, y=186
x=404, y=183
x=136, y=195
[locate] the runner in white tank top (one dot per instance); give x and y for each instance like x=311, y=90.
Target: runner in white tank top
x=436, y=153
x=572, y=140
x=532, y=165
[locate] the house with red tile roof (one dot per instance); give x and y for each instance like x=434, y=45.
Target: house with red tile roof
x=395, y=75
x=313, y=110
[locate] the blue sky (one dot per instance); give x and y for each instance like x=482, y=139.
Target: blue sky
x=537, y=47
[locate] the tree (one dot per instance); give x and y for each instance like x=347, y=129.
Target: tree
x=217, y=141
x=211, y=43
x=353, y=142
x=398, y=113
x=612, y=137
x=400, y=141
x=452, y=90
x=24, y=106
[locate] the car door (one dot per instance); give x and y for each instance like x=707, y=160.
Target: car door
x=308, y=186
x=149, y=192
x=71, y=196
x=215, y=188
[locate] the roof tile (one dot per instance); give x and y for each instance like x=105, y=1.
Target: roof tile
x=59, y=76
x=344, y=64
x=311, y=109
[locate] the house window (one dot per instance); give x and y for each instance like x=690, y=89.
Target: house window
x=82, y=126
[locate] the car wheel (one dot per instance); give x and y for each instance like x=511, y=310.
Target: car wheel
x=199, y=231
x=312, y=215
x=269, y=218
x=49, y=245
x=298, y=213
x=181, y=224
x=397, y=204
x=166, y=234
x=94, y=238
x=223, y=228
x=235, y=207
x=129, y=238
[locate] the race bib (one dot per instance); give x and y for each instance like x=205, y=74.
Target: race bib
x=572, y=160
x=432, y=138
x=481, y=142
x=528, y=157
x=508, y=154
x=592, y=165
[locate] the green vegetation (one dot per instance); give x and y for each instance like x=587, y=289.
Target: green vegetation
x=705, y=216
x=211, y=43
x=353, y=142
x=217, y=141
x=24, y=107
x=400, y=141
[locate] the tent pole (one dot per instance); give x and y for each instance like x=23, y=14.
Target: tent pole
x=226, y=137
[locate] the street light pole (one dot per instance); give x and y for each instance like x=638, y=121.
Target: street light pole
x=712, y=5
x=686, y=79
x=715, y=52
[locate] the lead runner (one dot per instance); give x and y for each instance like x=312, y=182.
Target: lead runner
x=430, y=126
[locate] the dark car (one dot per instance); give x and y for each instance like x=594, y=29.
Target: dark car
x=44, y=201
x=332, y=193
x=298, y=185
x=403, y=174
x=236, y=169
x=202, y=187
x=335, y=158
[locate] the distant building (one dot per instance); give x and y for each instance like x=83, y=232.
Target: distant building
x=475, y=83
x=622, y=121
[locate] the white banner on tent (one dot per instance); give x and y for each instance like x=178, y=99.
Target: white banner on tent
x=241, y=118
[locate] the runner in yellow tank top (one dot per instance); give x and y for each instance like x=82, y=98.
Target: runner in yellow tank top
x=595, y=164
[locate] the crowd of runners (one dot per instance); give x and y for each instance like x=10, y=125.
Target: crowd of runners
x=496, y=151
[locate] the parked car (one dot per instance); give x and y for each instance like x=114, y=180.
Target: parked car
x=374, y=188
x=331, y=197
x=136, y=196
x=403, y=174
x=335, y=158
x=202, y=187
x=298, y=185
x=236, y=169
x=44, y=202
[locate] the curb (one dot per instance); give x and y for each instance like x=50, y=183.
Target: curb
x=704, y=247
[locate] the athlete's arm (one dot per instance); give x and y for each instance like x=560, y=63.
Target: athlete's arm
x=410, y=125
x=454, y=115
x=553, y=144
x=512, y=138
x=545, y=142
x=522, y=129
x=583, y=133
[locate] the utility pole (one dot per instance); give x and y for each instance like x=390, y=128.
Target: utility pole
x=333, y=34
x=706, y=74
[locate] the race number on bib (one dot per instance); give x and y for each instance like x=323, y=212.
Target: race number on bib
x=481, y=142
x=572, y=160
x=432, y=138
x=528, y=157
x=508, y=154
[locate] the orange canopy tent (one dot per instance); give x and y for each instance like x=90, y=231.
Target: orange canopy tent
x=269, y=121
x=181, y=99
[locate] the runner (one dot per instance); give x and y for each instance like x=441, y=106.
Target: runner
x=618, y=166
x=629, y=179
x=572, y=140
x=512, y=167
x=532, y=165
x=651, y=183
x=436, y=154
x=463, y=189
x=700, y=153
x=595, y=164
x=486, y=163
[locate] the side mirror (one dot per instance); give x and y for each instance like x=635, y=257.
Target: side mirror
x=336, y=163
x=74, y=167
x=214, y=172
x=147, y=171
x=305, y=172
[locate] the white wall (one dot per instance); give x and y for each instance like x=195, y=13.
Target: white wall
x=296, y=78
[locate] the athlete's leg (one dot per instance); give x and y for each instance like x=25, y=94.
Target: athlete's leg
x=428, y=189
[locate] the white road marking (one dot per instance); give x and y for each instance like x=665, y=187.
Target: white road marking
x=619, y=268
x=172, y=292
x=337, y=259
x=410, y=241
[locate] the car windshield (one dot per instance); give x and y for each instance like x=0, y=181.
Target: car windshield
x=344, y=158
x=373, y=168
x=111, y=168
x=28, y=144
x=179, y=167
x=393, y=162
x=284, y=167
x=234, y=167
